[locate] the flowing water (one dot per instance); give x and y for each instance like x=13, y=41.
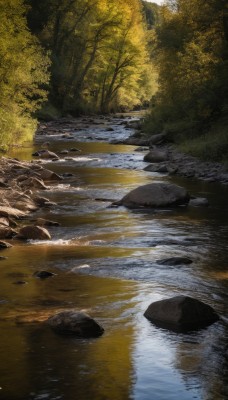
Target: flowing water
x=104, y=259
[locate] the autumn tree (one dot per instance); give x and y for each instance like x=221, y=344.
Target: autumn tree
x=23, y=74
x=99, y=57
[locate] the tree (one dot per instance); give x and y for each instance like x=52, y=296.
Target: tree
x=23, y=74
x=192, y=60
x=99, y=55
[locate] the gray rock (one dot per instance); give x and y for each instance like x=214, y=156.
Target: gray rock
x=181, y=313
x=75, y=323
x=155, y=156
x=156, y=195
x=156, y=168
x=172, y=261
x=158, y=139
x=48, y=175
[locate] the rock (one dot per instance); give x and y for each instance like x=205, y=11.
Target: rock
x=11, y=212
x=4, y=245
x=156, y=168
x=48, y=175
x=31, y=232
x=7, y=233
x=64, y=152
x=67, y=175
x=25, y=204
x=3, y=185
x=158, y=139
x=41, y=201
x=199, y=202
x=45, y=154
x=34, y=182
x=134, y=141
x=46, y=222
x=43, y=274
x=155, y=156
x=175, y=261
x=181, y=313
x=75, y=323
x=156, y=195
x=75, y=149
x=142, y=149
x=4, y=221
x=3, y=258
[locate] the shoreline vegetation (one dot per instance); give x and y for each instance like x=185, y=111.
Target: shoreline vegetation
x=86, y=57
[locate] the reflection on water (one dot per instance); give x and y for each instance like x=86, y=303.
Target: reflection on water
x=105, y=262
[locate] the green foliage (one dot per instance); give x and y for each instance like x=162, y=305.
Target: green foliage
x=192, y=57
x=210, y=146
x=23, y=72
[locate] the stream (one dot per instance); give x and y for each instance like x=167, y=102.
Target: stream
x=104, y=259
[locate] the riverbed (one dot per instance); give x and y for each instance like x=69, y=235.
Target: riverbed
x=104, y=261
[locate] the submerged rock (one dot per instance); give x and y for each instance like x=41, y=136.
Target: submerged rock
x=75, y=323
x=181, y=313
x=199, y=202
x=31, y=232
x=156, y=195
x=43, y=274
x=175, y=261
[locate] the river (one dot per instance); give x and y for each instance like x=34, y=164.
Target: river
x=104, y=259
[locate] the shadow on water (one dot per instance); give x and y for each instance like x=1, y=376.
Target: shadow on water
x=105, y=261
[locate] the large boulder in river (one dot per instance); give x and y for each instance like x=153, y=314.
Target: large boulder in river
x=32, y=232
x=75, y=323
x=181, y=313
x=156, y=195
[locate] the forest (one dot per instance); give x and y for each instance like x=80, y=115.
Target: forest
x=73, y=57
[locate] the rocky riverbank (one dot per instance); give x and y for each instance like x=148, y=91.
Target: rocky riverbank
x=20, y=183
x=165, y=158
